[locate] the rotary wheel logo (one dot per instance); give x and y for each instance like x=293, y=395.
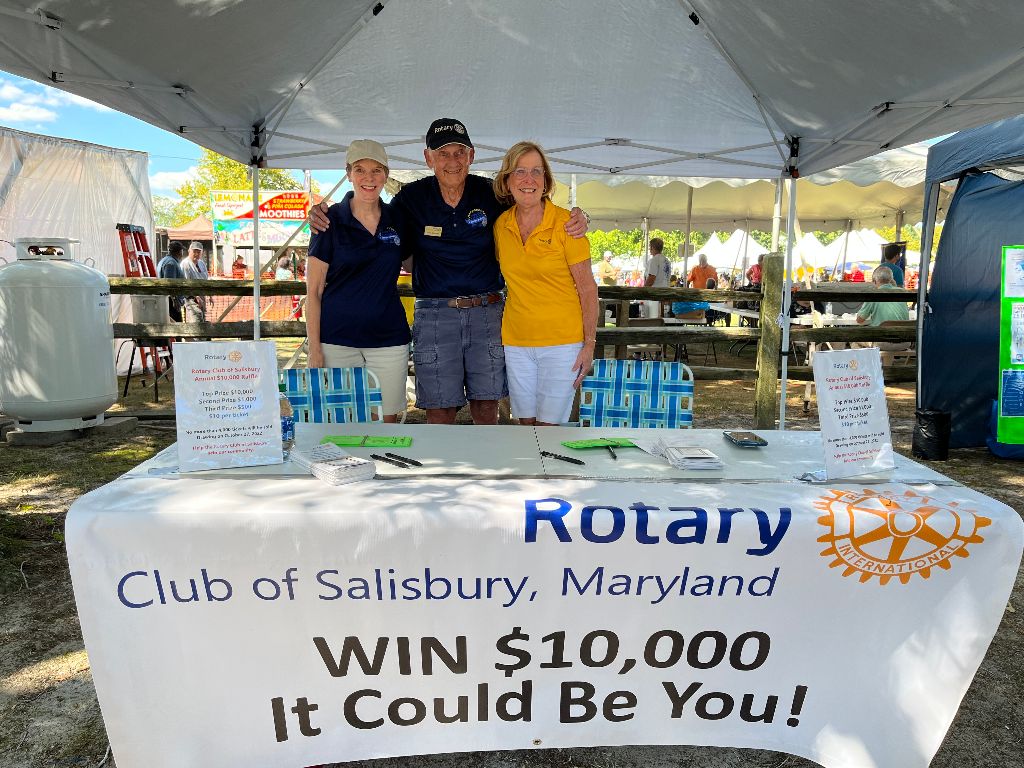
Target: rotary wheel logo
x=892, y=535
x=234, y=357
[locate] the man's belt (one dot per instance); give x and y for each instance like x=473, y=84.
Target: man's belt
x=463, y=302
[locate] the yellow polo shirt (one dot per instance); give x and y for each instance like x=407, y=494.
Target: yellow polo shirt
x=543, y=308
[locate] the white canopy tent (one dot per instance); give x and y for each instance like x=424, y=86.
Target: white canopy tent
x=53, y=187
x=739, y=250
x=863, y=246
x=730, y=90
x=879, y=191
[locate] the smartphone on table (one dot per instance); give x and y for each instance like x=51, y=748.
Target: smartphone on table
x=745, y=439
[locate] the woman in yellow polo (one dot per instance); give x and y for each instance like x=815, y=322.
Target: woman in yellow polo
x=550, y=322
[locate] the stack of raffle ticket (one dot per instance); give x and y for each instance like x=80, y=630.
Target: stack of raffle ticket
x=333, y=465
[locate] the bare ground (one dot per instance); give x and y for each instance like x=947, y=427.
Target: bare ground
x=49, y=717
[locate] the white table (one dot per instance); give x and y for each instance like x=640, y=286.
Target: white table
x=514, y=452
x=216, y=606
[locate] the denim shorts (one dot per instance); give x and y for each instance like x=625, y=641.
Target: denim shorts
x=457, y=354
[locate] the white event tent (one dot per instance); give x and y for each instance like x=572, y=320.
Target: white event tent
x=692, y=88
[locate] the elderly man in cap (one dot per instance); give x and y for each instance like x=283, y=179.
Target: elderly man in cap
x=457, y=347
x=194, y=268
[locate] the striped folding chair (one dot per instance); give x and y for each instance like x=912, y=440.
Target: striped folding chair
x=333, y=395
x=637, y=393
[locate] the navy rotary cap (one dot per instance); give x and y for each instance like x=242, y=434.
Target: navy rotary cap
x=447, y=130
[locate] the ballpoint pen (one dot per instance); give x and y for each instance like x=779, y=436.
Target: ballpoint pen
x=612, y=452
x=560, y=457
x=406, y=459
x=395, y=462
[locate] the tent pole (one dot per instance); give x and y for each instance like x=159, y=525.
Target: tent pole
x=931, y=207
x=687, y=250
x=777, y=215
x=572, y=190
x=255, y=252
x=899, y=225
x=787, y=299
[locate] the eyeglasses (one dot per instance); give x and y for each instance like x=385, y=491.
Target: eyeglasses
x=522, y=173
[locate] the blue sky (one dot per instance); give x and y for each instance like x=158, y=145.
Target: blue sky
x=29, y=106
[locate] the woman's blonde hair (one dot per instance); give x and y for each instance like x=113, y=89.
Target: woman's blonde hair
x=508, y=167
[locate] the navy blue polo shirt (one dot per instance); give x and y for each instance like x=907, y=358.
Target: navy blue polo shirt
x=452, y=248
x=360, y=305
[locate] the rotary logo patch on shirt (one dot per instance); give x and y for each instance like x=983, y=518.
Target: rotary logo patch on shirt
x=477, y=218
x=389, y=235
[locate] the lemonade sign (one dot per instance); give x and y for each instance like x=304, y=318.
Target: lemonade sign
x=281, y=213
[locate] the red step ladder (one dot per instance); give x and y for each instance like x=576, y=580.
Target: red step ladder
x=138, y=262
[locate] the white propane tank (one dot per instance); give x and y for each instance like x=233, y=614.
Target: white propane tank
x=56, y=341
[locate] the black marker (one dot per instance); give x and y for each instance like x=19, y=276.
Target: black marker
x=562, y=458
x=406, y=459
x=612, y=452
x=396, y=463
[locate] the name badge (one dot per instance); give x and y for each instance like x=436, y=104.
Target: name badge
x=432, y=231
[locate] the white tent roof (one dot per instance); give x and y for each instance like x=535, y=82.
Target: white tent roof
x=869, y=192
x=863, y=246
x=810, y=252
x=740, y=248
x=689, y=88
x=711, y=249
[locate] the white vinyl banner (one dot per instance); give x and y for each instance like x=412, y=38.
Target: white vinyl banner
x=852, y=413
x=226, y=403
x=263, y=622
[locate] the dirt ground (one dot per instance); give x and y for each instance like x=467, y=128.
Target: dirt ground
x=49, y=717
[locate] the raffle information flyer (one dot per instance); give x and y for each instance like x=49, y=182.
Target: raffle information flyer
x=852, y=412
x=226, y=400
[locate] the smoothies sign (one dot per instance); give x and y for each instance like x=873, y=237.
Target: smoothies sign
x=281, y=213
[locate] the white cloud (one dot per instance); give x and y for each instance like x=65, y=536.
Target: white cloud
x=20, y=112
x=9, y=92
x=38, y=103
x=168, y=181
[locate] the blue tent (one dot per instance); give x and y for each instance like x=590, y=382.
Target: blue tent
x=958, y=359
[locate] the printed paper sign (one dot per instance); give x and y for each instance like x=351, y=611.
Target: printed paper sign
x=226, y=402
x=1017, y=333
x=1013, y=285
x=277, y=622
x=852, y=412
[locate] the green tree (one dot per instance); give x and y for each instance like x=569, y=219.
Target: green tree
x=163, y=211
x=218, y=172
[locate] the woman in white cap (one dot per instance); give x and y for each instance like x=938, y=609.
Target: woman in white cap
x=354, y=317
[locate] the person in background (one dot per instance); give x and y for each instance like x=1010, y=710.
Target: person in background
x=169, y=268
x=754, y=273
x=238, y=268
x=607, y=272
x=195, y=269
x=891, y=259
x=549, y=328
x=700, y=274
x=284, y=269
x=657, y=273
x=354, y=318
x=875, y=313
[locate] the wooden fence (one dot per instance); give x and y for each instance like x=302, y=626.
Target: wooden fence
x=768, y=334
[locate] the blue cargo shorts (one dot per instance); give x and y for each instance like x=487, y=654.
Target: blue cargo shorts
x=457, y=353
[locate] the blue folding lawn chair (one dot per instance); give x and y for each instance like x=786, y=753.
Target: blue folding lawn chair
x=637, y=393
x=333, y=395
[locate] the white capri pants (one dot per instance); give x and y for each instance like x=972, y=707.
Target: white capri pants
x=540, y=381
x=389, y=364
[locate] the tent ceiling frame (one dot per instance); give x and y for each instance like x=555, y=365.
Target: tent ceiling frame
x=278, y=113
x=36, y=17
x=1013, y=62
x=61, y=77
x=764, y=106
